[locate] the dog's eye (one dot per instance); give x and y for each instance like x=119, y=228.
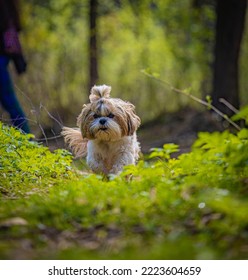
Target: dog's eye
x=95, y=116
x=111, y=116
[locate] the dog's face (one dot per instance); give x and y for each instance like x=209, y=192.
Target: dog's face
x=105, y=118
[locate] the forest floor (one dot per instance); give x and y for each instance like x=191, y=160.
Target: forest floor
x=191, y=208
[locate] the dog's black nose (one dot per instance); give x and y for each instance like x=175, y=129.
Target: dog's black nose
x=102, y=121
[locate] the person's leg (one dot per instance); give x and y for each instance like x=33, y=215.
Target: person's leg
x=9, y=99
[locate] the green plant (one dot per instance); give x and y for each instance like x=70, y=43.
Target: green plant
x=25, y=165
x=191, y=207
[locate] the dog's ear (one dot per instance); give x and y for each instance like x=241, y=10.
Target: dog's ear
x=98, y=92
x=133, y=121
x=82, y=120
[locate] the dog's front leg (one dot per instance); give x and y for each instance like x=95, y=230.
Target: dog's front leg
x=123, y=160
x=96, y=166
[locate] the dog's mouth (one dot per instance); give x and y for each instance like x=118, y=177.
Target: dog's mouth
x=103, y=128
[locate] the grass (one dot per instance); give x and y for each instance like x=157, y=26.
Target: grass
x=192, y=207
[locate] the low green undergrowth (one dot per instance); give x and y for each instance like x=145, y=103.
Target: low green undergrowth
x=191, y=207
x=25, y=165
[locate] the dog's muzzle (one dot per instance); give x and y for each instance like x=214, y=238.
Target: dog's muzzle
x=103, y=122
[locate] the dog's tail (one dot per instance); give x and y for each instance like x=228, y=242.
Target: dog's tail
x=73, y=138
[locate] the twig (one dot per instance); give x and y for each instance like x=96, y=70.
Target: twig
x=33, y=110
x=51, y=116
x=49, y=138
x=207, y=104
x=37, y=121
x=228, y=105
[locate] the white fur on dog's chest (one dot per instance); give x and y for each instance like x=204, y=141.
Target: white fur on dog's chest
x=112, y=156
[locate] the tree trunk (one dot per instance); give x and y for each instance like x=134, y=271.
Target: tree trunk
x=229, y=31
x=93, y=56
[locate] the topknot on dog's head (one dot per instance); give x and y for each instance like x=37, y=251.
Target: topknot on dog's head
x=98, y=92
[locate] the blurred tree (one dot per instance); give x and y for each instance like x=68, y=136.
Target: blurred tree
x=172, y=38
x=93, y=50
x=229, y=30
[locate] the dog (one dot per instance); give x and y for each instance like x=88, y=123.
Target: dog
x=106, y=133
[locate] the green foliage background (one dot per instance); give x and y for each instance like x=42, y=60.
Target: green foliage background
x=191, y=207
x=171, y=38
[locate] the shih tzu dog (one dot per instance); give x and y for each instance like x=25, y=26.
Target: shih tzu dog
x=106, y=133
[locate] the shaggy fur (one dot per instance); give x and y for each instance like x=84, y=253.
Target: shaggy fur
x=107, y=134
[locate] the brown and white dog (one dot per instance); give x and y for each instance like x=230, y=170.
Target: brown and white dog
x=107, y=134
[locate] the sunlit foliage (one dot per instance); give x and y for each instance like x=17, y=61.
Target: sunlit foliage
x=171, y=38
x=194, y=206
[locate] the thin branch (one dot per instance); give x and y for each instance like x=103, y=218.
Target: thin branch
x=49, y=138
x=205, y=103
x=228, y=105
x=43, y=133
x=37, y=117
x=51, y=116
